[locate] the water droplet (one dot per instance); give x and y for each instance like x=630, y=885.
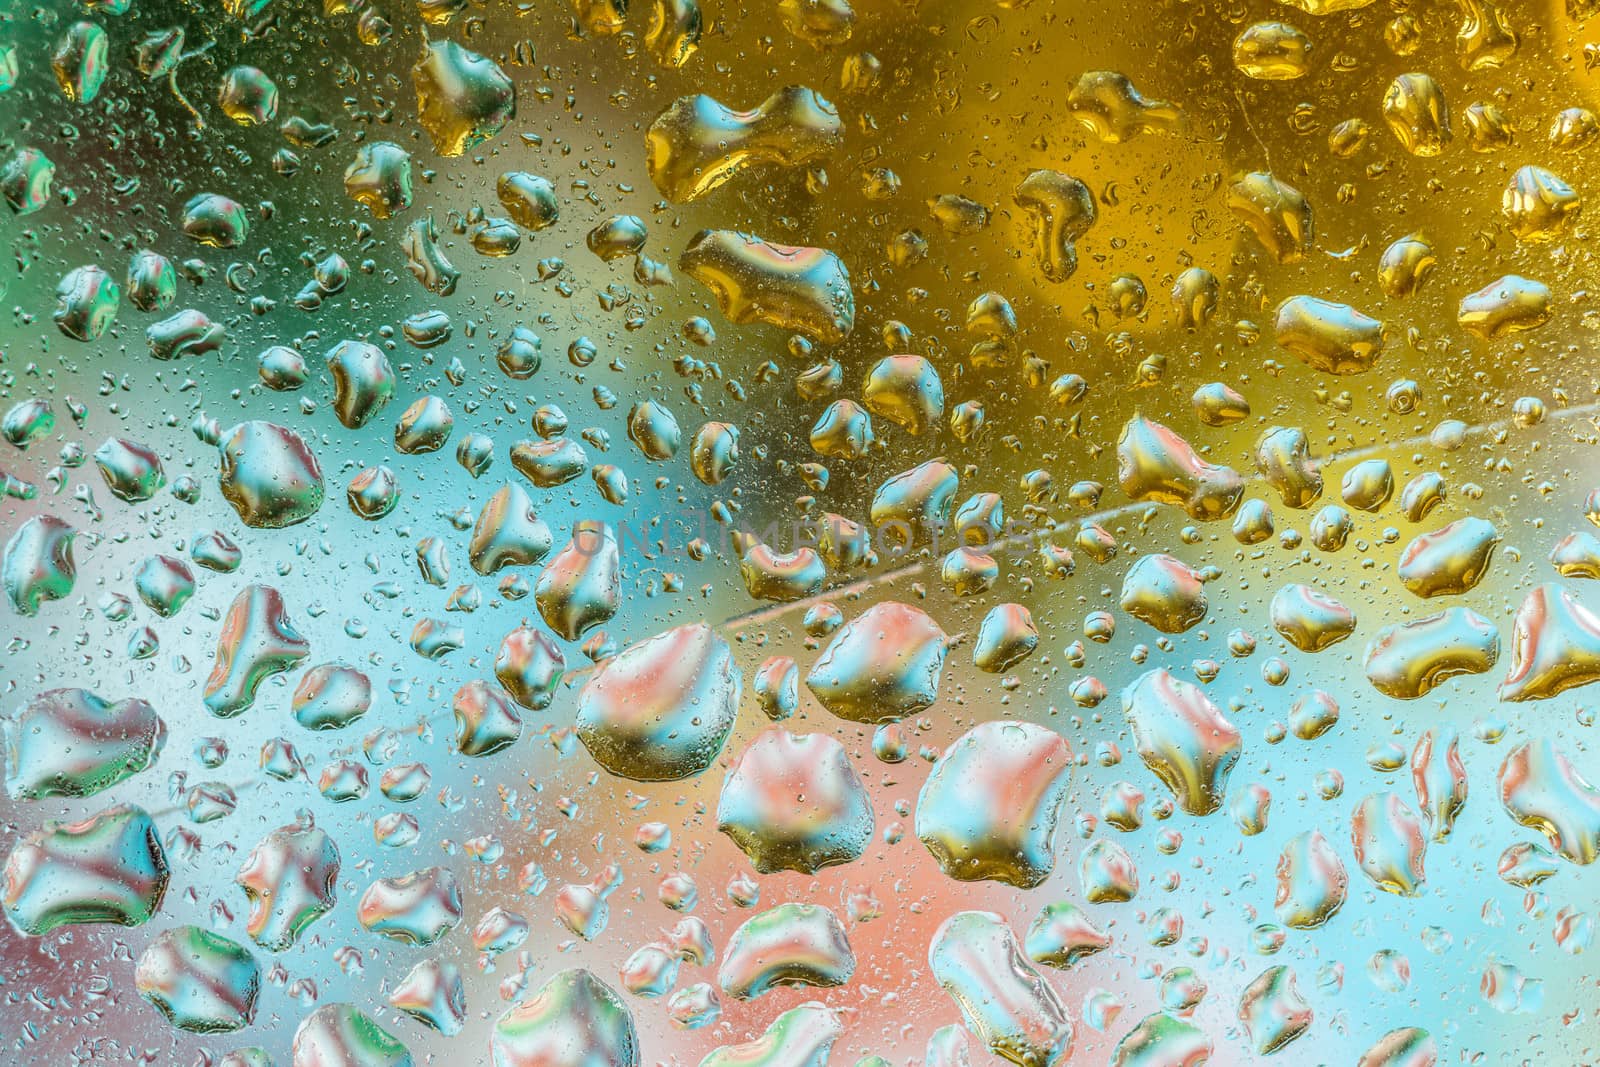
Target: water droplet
x=432, y=993
x=530, y=667
x=1062, y=935
x=201, y=981
x=697, y=144
x=795, y=802
x=289, y=880
x=1390, y=843
x=344, y=1035
x=1154, y=463
x=1106, y=104
x=789, y=945
x=1183, y=738
x=1164, y=592
x=108, y=868
x=86, y=303
x=1555, y=646
x=1310, y=619
x=330, y=697
x=881, y=666
x=662, y=709
x=1330, y=337
x=1060, y=212
x=463, y=98
x=799, y=289
x=975, y=957
x=270, y=475
x=1273, y=1011
x=1541, y=789
x=1449, y=561
x=38, y=564
x=801, y=1037
x=1407, y=660
x=379, y=178
x=1162, y=1040
x=256, y=642
x=415, y=909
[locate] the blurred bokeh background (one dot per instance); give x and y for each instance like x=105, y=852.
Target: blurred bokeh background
x=971, y=97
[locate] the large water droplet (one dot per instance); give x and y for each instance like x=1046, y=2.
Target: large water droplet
x=662, y=709
x=270, y=475
x=201, y=981
x=1007, y=1004
x=108, y=868
x=71, y=743
x=881, y=666
x=795, y=803
x=1183, y=738
x=989, y=807
x=789, y=945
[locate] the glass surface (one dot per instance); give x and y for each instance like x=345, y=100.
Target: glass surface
x=577, y=533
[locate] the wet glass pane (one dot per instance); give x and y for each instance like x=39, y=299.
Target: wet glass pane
x=575, y=532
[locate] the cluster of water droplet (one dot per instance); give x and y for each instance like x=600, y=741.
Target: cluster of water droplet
x=874, y=493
